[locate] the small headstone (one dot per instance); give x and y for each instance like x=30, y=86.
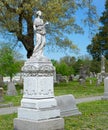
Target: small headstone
x=67, y=105
x=105, y=89
x=60, y=78
x=91, y=75
x=99, y=79
x=83, y=74
x=90, y=81
x=1, y=81
x=82, y=81
x=11, y=90
x=1, y=94
x=71, y=77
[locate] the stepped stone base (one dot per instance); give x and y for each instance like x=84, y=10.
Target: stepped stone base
x=33, y=114
x=50, y=124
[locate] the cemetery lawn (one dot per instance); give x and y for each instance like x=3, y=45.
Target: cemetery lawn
x=94, y=117
x=86, y=90
x=78, y=91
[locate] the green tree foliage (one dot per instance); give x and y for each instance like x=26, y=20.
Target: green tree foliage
x=99, y=44
x=9, y=61
x=70, y=65
x=95, y=66
x=64, y=69
x=16, y=18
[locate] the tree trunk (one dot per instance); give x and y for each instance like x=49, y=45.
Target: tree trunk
x=26, y=39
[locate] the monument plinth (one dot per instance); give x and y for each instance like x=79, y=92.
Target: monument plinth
x=38, y=104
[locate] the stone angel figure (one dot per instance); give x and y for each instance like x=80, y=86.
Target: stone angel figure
x=40, y=31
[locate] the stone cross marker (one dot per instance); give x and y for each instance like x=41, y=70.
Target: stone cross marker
x=38, y=109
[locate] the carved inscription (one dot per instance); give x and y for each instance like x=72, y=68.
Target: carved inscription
x=34, y=93
x=35, y=87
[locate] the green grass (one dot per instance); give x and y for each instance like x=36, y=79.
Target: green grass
x=78, y=90
x=6, y=121
x=94, y=117
x=15, y=100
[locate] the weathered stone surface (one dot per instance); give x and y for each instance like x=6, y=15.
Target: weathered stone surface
x=1, y=95
x=38, y=114
x=105, y=89
x=102, y=64
x=1, y=81
x=40, y=66
x=51, y=124
x=38, y=87
x=11, y=91
x=67, y=105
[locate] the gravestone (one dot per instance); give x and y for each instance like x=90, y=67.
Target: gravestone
x=11, y=90
x=67, y=105
x=1, y=89
x=60, y=78
x=1, y=94
x=1, y=81
x=99, y=79
x=101, y=76
x=71, y=77
x=105, y=89
x=38, y=109
x=83, y=75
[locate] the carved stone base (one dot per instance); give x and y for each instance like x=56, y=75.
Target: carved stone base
x=50, y=124
x=38, y=109
x=34, y=114
x=38, y=103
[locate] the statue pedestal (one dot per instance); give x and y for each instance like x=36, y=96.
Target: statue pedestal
x=38, y=106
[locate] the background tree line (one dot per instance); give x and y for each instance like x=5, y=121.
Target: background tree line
x=70, y=65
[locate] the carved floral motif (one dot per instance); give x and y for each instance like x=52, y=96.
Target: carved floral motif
x=42, y=70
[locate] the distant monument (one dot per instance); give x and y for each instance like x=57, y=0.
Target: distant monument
x=1, y=94
x=102, y=65
x=38, y=109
